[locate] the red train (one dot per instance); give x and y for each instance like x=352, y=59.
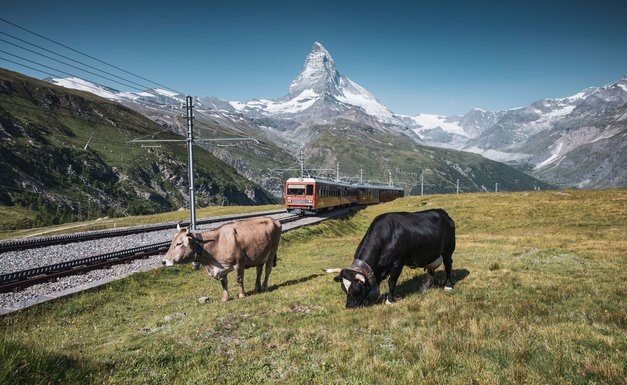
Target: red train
x=312, y=195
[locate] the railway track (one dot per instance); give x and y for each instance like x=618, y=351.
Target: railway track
x=30, y=243
x=25, y=278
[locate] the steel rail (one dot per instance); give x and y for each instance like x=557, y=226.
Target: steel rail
x=31, y=243
x=24, y=278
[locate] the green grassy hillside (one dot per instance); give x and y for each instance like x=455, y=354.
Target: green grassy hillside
x=378, y=153
x=539, y=298
x=67, y=155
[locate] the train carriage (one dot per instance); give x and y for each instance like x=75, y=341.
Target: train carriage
x=311, y=195
x=389, y=193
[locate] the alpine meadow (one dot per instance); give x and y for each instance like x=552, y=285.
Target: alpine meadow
x=537, y=299
x=366, y=140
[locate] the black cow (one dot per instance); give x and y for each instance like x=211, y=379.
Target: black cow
x=422, y=239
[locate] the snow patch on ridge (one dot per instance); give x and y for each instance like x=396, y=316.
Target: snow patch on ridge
x=554, y=156
x=354, y=94
x=429, y=121
x=498, y=156
x=296, y=104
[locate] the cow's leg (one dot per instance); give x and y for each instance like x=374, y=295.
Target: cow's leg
x=396, y=272
x=448, y=267
x=258, y=280
x=225, y=291
x=239, y=270
x=269, y=264
x=429, y=282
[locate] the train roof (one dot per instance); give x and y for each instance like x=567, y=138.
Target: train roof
x=318, y=180
x=361, y=185
x=380, y=187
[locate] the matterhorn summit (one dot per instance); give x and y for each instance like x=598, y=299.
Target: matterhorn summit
x=318, y=74
x=320, y=94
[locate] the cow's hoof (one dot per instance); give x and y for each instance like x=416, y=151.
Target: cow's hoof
x=240, y=295
x=448, y=288
x=388, y=302
x=225, y=298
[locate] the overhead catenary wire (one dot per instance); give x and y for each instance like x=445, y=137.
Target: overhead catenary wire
x=83, y=85
x=91, y=57
x=73, y=66
x=45, y=72
x=89, y=84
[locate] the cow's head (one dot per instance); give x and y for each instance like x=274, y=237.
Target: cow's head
x=182, y=249
x=358, y=283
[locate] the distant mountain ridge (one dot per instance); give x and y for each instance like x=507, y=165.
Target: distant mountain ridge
x=557, y=140
x=537, y=138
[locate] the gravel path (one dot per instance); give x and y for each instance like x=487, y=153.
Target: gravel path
x=21, y=260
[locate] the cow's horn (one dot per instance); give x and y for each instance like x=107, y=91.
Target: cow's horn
x=332, y=271
x=178, y=226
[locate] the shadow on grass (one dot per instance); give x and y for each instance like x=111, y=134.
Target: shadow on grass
x=415, y=284
x=24, y=365
x=294, y=281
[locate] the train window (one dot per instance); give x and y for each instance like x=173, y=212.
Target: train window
x=296, y=189
x=309, y=189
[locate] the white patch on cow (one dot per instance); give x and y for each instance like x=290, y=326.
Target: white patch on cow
x=346, y=283
x=448, y=288
x=360, y=277
x=387, y=302
x=435, y=264
x=218, y=272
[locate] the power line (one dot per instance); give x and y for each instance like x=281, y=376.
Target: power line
x=91, y=57
x=68, y=58
x=68, y=64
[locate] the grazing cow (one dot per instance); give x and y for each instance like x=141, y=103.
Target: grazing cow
x=234, y=246
x=422, y=239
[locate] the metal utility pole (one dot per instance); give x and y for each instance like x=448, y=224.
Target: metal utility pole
x=190, y=155
x=496, y=187
x=361, y=176
x=301, y=159
x=458, y=186
x=190, y=163
x=337, y=172
x=422, y=183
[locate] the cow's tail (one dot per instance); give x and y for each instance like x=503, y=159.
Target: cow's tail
x=280, y=229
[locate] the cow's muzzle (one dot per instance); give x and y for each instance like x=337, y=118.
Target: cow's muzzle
x=165, y=262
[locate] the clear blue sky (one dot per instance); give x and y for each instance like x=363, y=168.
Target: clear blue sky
x=442, y=57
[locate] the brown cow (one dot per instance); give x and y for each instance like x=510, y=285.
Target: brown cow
x=233, y=246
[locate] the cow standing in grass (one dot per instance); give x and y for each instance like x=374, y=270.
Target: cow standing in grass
x=234, y=246
x=422, y=239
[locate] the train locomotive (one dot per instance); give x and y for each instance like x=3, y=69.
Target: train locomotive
x=312, y=195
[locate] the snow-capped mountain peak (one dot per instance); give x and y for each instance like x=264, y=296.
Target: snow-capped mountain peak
x=318, y=74
x=319, y=92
